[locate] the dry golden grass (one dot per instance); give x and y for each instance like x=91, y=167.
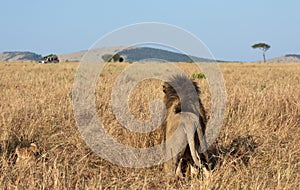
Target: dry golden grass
x=259, y=141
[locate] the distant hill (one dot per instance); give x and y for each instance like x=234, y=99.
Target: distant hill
x=135, y=54
x=19, y=56
x=151, y=54
x=289, y=58
x=293, y=55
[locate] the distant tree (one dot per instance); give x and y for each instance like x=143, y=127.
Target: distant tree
x=264, y=47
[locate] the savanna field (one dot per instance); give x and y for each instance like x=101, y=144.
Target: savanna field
x=259, y=142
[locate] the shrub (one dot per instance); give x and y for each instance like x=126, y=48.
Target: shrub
x=199, y=76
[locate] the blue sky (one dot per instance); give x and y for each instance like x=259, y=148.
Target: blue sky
x=228, y=28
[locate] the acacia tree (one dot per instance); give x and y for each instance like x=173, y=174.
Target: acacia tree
x=264, y=47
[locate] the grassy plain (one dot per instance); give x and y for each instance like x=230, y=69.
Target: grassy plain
x=262, y=124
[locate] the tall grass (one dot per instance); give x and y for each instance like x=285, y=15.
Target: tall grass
x=263, y=113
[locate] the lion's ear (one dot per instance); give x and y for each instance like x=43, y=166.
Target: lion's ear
x=33, y=148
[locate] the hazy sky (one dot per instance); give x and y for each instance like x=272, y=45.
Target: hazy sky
x=228, y=28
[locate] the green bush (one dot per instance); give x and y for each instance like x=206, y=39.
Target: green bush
x=198, y=76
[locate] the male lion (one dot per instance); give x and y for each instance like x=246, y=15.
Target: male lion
x=186, y=115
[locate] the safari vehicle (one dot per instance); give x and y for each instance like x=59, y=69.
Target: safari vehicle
x=49, y=59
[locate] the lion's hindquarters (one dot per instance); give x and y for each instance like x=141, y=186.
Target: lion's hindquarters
x=182, y=135
x=191, y=125
x=197, y=144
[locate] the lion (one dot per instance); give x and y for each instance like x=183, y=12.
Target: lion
x=26, y=155
x=186, y=113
